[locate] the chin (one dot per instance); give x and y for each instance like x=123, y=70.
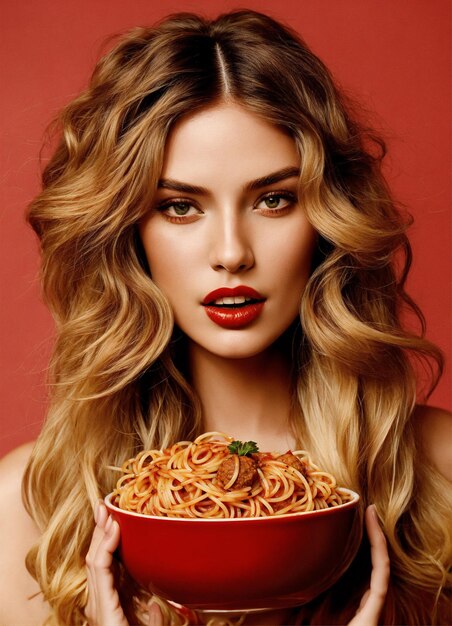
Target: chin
x=237, y=344
x=240, y=352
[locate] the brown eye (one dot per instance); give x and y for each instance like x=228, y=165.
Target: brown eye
x=276, y=201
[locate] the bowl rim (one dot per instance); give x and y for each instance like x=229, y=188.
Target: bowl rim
x=346, y=505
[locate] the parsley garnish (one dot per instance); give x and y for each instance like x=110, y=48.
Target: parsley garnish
x=243, y=448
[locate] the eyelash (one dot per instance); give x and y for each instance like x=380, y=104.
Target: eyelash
x=179, y=219
x=286, y=195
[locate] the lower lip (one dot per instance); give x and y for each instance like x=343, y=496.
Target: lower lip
x=235, y=318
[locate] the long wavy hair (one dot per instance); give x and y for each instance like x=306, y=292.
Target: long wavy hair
x=116, y=380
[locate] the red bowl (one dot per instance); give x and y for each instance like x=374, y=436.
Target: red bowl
x=239, y=564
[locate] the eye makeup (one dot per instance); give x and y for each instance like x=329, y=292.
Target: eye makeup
x=177, y=206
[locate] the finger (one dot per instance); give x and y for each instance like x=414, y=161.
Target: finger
x=372, y=605
x=90, y=608
x=104, y=579
x=108, y=609
x=379, y=554
x=98, y=534
x=363, y=600
x=155, y=614
x=108, y=543
x=100, y=517
x=103, y=599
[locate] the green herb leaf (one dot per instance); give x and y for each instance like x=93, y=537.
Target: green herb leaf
x=243, y=448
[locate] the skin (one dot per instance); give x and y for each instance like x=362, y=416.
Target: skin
x=235, y=373
x=230, y=236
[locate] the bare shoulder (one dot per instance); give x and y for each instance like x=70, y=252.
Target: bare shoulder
x=18, y=533
x=434, y=427
x=12, y=467
x=14, y=462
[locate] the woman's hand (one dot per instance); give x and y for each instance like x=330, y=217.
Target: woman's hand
x=103, y=607
x=373, y=600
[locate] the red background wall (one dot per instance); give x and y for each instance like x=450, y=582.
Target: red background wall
x=393, y=55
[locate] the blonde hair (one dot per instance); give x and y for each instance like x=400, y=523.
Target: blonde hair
x=117, y=382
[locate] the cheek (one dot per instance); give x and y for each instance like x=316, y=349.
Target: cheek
x=291, y=258
x=161, y=253
x=174, y=262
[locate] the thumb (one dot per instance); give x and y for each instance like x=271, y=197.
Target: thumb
x=155, y=614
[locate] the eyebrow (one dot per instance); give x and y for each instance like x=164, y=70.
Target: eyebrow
x=258, y=183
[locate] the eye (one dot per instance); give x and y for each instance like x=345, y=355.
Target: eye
x=178, y=208
x=179, y=211
x=276, y=201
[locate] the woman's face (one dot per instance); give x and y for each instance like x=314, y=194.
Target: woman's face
x=226, y=217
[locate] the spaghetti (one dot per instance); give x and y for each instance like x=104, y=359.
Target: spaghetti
x=204, y=479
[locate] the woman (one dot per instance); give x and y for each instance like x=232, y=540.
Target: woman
x=206, y=156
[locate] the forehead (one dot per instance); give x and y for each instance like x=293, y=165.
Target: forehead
x=226, y=142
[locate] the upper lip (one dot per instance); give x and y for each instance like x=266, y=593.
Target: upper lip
x=223, y=292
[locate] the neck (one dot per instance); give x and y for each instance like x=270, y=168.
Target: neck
x=250, y=398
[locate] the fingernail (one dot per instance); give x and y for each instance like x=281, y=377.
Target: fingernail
x=373, y=512
x=101, y=514
x=155, y=615
x=97, y=509
x=108, y=524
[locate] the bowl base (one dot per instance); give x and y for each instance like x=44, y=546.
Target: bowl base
x=232, y=612
x=224, y=612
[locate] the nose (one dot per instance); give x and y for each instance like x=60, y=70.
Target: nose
x=231, y=248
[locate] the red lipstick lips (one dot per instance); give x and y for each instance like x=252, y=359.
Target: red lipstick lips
x=243, y=305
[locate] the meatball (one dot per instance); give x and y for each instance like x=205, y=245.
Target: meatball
x=247, y=472
x=293, y=461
